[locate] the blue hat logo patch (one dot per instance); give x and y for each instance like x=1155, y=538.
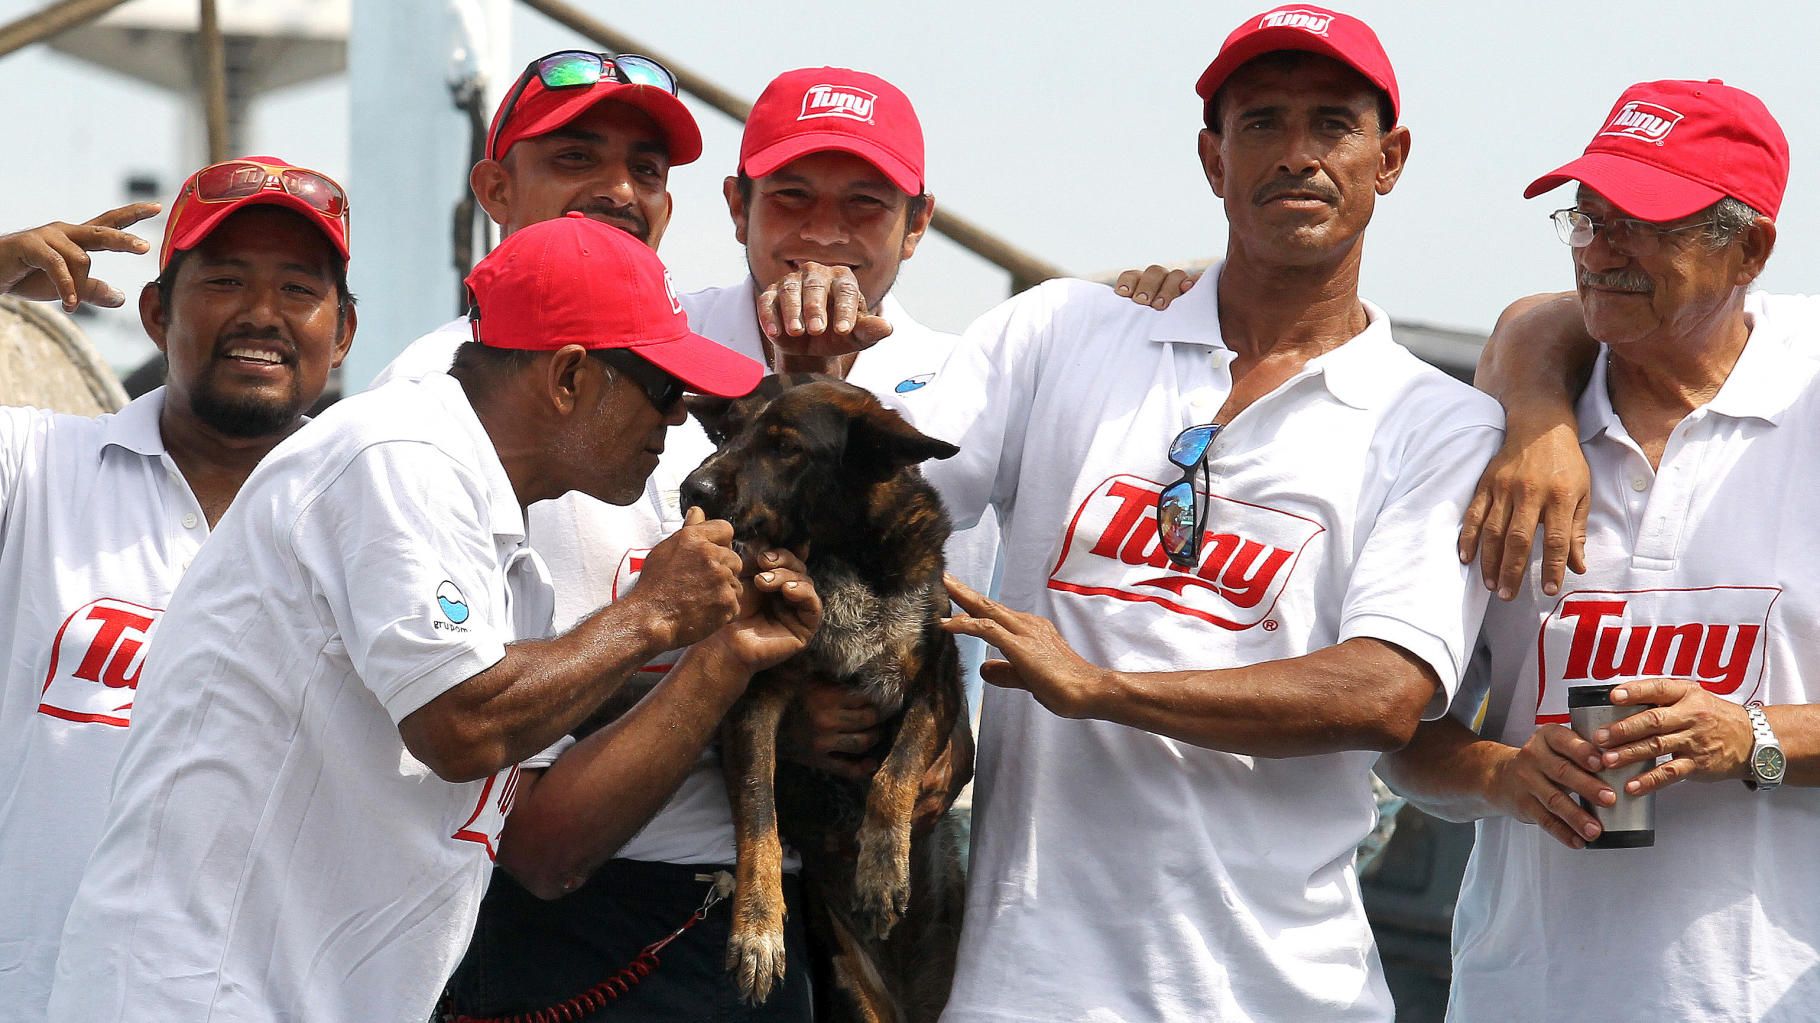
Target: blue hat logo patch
x=453, y=604
x=906, y=386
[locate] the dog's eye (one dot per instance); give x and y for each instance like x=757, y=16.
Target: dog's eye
x=789, y=448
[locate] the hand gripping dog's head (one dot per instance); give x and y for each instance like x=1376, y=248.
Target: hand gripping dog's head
x=796, y=463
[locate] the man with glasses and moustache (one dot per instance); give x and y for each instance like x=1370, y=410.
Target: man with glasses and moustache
x=633, y=839
x=100, y=517
x=1173, y=768
x=305, y=815
x=1695, y=597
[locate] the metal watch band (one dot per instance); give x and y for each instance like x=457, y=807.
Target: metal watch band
x=1763, y=736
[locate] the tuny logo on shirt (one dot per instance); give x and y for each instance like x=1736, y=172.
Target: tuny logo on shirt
x=838, y=101
x=1307, y=21
x=1111, y=549
x=454, y=607
x=95, y=662
x=1711, y=635
x=1645, y=122
x=490, y=812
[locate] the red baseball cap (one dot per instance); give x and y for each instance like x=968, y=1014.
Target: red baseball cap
x=538, y=111
x=218, y=191
x=812, y=110
x=1669, y=149
x=575, y=281
x=1308, y=28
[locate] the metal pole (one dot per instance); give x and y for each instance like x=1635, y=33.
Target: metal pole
x=211, y=54
x=1026, y=270
x=59, y=17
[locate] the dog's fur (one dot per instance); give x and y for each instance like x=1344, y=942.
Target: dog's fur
x=825, y=465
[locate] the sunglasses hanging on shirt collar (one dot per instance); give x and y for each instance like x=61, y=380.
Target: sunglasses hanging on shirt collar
x=1180, y=519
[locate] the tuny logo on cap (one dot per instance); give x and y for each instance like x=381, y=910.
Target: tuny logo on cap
x=1307, y=21
x=670, y=290
x=838, y=101
x=1645, y=122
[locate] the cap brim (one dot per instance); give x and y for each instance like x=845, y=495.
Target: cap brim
x=682, y=137
x=190, y=233
x=1268, y=41
x=704, y=366
x=1639, y=189
x=892, y=166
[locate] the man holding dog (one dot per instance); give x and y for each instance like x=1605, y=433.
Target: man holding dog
x=1696, y=599
x=644, y=819
x=356, y=662
x=1203, y=715
x=100, y=518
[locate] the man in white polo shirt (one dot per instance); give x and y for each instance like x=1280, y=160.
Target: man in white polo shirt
x=628, y=852
x=100, y=517
x=1698, y=597
x=333, y=717
x=1228, y=580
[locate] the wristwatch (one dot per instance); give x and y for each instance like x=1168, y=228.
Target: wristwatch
x=1767, y=763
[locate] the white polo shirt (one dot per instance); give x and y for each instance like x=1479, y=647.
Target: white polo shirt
x=96, y=526
x=272, y=850
x=595, y=550
x=1706, y=569
x=1118, y=874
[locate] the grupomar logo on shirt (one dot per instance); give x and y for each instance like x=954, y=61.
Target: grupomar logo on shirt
x=1712, y=635
x=914, y=383
x=1111, y=549
x=453, y=604
x=95, y=661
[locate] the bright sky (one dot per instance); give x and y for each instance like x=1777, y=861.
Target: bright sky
x=1067, y=131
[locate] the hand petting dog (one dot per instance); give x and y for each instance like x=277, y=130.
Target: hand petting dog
x=769, y=632
x=1037, y=659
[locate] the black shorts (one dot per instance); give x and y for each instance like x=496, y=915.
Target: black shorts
x=529, y=954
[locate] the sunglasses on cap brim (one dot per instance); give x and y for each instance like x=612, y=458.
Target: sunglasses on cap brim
x=576, y=69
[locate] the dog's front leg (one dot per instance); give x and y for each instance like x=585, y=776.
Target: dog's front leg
x=755, y=948
x=882, y=875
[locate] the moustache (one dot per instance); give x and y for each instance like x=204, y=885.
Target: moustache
x=1634, y=281
x=626, y=218
x=1290, y=186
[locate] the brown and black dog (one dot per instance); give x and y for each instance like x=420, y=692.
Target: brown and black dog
x=825, y=467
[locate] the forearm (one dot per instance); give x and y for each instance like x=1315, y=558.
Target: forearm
x=1538, y=356
x=601, y=791
x=1447, y=770
x=539, y=692
x=1797, y=728
x=1360, y=694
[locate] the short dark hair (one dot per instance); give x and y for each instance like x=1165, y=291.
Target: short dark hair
x=913, y=209
x=487, y=366
x=1292, y=60
x=166, y=282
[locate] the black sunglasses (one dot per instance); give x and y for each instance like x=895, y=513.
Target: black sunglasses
x=661, y=389
x=569, y=69
x=1179, y=522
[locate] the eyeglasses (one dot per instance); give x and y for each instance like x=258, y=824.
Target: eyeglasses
x=569, y=69
x=233, y=180
x=661, y=389
x=1178, y=510
x=1637, y=237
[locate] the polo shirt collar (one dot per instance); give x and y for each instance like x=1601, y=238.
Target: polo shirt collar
x=1763, y=383
x=1358, y=373
x=135, y=427
x=503, y=511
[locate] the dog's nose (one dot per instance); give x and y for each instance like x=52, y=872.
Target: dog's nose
x=699, y=491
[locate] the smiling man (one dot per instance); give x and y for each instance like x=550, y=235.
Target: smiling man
x=1175, y=753
x=99, y=518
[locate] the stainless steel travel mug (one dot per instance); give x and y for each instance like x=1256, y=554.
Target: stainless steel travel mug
x=1631, y=823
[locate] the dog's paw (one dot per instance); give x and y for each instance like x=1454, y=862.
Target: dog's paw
x=755, y=958
x=881, y=884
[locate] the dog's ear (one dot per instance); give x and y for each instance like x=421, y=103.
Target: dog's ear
x=879, y=435
x=713, y=415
